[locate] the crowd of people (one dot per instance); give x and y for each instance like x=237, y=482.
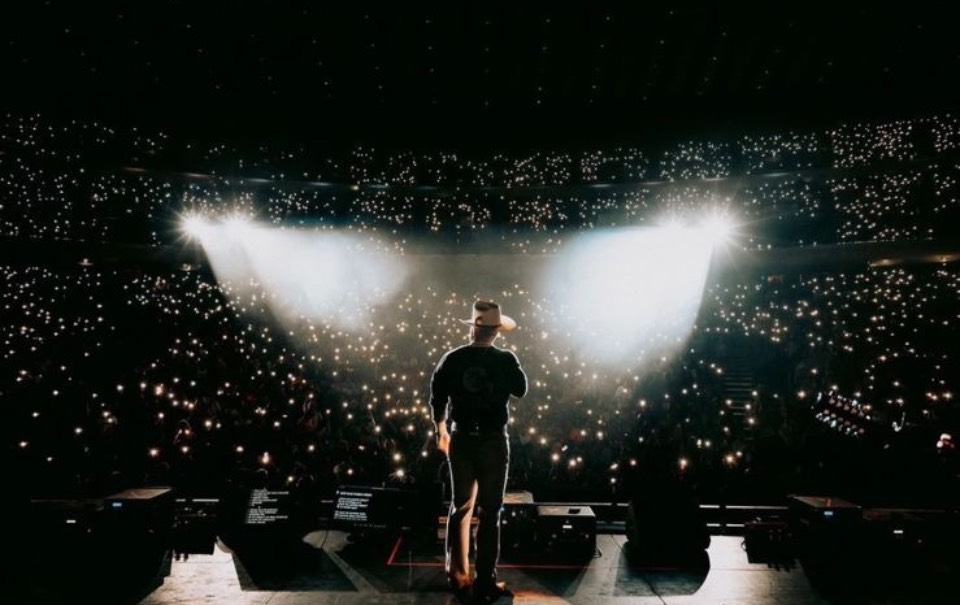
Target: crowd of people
x=858, y=182
x=115, y=377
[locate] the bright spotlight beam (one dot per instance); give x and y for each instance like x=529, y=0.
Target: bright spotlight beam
x=194, y=226
x=718, y=229
x=330, y=277
x=630, y=295
x=238, y=223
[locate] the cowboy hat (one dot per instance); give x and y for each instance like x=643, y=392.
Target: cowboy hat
x=487, y=314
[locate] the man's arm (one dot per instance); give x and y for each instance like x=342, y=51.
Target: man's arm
x=517, y=378
x=443, y=438
x=439, y=400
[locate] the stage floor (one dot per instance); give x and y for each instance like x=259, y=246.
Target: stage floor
x=330, y=567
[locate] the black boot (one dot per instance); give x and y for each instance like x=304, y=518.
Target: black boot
x=488, y=591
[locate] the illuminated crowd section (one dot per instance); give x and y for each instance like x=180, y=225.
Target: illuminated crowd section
x=295, y=349
x=119, y=377
x=855, y=182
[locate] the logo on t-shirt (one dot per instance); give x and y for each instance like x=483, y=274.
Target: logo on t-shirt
x=477, y=381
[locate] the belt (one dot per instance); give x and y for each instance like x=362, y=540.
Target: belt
x=476, y=430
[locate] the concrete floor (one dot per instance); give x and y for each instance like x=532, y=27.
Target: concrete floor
x=341, y=573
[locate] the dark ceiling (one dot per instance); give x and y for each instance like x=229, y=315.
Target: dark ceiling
x=490, y=73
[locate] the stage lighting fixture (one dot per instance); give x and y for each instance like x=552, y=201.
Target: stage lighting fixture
x=717, y=228
x=194, y=226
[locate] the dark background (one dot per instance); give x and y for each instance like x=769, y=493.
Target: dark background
x=476, y=75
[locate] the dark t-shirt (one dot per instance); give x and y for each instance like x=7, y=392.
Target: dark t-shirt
x=476, y=382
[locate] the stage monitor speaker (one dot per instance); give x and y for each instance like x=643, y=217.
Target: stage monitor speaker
x=823, y=511
x=195, y=530
x=66, y=524
x=566, y=531
x=768, y=541
x=828, y=529
x=518, y=524
x=137, y=528
x=115, y=545
x=147, y=509
x=666, y=522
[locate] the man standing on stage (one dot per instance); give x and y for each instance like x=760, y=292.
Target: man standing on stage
x=471, y=387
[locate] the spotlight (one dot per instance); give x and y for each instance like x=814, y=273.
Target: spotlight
x=195, y=226
x=670, y=223
x=237, y=222
x=640, y=288
x=717, y=228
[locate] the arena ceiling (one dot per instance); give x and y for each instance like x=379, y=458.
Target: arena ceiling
x=498, y=72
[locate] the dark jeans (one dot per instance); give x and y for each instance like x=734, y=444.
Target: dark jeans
x=478, y=476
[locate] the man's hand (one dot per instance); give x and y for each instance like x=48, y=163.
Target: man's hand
x=443, y=438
